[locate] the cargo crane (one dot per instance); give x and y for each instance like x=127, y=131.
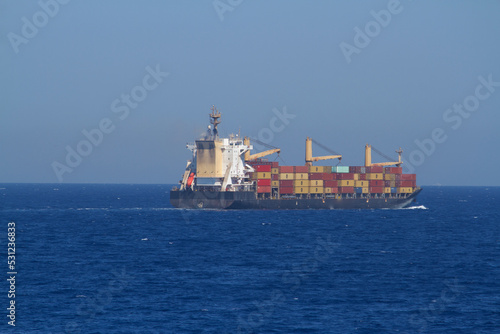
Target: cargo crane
x=368, y=157
x=310, y=159
x=250, y=157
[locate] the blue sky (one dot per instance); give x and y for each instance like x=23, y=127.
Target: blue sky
x=145, y=74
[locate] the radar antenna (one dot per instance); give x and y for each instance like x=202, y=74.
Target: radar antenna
x=215, y=120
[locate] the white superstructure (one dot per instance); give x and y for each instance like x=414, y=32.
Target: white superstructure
x=218, y=162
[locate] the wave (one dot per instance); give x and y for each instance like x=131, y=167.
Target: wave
x=420, y=207
x=79, y=209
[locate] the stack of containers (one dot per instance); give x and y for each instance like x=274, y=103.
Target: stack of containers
x=406, y=183
x=359, y=177
x=390, y=179
x=300, y=172
x=301, y=179
x=263, y=177
x=375, y=177
x=374, y=180
x=345, y=179
x=390, y=175
x=275, y=177
x=317, y=177
x=399, y=182
x=330, y=183
x=286, y=177
x=328, y=180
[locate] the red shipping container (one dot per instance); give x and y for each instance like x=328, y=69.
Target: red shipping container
x=345, y=176
x=407, y=183
x=286, y=183
x=354, y=169
x=263, y=182
x=275, y=164
x=376, y=183
x=362, y=177
x=263, y=189
x=334, y=190
x=387, y=183
x=286, y=190
x=286, y=169
x=376, y=190
x=334, y=176
x=328, y=176
x=301, y=169
x=346, y=190
x=393, y=170
x=375, y=169
x=409, y=177
x=262, y=168
x=316, y=176
x=275, y=177
x=330, y=184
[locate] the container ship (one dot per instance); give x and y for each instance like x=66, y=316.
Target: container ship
x=223, y=174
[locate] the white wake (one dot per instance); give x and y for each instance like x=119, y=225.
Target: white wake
x=420, y=207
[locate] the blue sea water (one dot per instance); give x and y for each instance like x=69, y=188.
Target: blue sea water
x=120, y=259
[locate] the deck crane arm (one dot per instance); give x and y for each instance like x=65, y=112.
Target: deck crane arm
x=327, y=157
x=250, y=157
x=310, y=159
x=368, y=157
x=263, y=154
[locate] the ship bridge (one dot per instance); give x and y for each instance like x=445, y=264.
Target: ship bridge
x=218, y=162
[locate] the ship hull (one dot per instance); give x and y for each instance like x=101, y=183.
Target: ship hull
x=248, y=200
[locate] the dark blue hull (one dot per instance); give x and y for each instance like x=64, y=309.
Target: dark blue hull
x=249, y=200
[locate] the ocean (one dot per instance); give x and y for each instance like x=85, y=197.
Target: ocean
x=97, y=258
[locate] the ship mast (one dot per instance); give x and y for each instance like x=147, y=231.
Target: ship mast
x=215, y=120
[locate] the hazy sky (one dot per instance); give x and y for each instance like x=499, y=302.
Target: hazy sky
x=423, y=75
